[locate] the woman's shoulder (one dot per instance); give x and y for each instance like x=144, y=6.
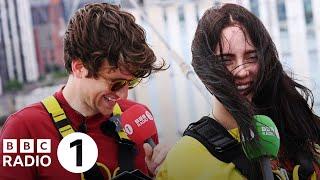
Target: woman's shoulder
x=189, y=159
x=188, y=145
x=189, y=149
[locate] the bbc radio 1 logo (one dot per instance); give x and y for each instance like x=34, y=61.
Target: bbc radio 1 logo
x=26, y=152
x=70, y=152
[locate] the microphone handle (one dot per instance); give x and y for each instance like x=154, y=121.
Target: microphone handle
x=150, y=142
x=266, y=168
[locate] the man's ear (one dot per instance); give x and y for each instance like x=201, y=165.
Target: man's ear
x=78, y=69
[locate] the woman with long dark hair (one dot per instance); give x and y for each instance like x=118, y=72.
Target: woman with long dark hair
x=236, y=59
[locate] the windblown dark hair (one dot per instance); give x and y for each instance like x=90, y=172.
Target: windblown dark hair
x=275, y=93
x=102, y=31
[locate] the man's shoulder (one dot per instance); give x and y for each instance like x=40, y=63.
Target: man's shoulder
x=33, y=110
x=31, y=114
x=26, y=122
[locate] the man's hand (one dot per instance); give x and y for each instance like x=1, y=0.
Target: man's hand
x=154, y=157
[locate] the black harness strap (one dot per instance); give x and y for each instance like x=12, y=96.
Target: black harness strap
x=94, y=173
x=224, y=147
x=126, y=155
x=126, y=148
x=219, y=143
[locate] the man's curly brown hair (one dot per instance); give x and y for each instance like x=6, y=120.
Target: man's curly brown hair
x=100, y=32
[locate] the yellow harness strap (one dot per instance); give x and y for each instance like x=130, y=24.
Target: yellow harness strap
x=58, y=115
x=63, y=124
x=295, y=174
x=117, y=112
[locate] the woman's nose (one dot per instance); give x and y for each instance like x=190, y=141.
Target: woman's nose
x=241, y=71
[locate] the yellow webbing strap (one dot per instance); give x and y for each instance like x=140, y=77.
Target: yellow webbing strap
x=65, y=128
x=58, y=115
x=314, y=176
x=295, y=174
x=117, y=112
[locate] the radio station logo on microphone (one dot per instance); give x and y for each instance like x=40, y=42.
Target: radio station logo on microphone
x=143, y=118
x=149, y=115
x=128, y=129
x=269, y=131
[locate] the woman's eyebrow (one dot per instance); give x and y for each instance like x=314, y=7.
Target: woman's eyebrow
x=225, y=54
x=253, y=51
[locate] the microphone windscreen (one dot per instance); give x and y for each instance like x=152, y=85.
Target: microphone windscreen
x=138, y=123
x=269, y=140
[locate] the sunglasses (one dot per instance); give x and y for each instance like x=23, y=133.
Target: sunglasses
x=119, y=84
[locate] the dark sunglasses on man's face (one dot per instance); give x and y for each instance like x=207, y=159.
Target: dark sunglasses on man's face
x=119, y=84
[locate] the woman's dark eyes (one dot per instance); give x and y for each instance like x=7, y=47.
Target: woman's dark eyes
x=252, y=58
x=227, y=61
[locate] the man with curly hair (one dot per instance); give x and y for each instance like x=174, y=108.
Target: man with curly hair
x=105, y=54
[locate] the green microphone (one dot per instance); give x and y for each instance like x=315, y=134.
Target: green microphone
x=266, y=147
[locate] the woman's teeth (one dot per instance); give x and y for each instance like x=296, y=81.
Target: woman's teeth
x=243, y=87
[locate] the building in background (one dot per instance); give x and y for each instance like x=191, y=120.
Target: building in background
x=71, y=6
x=48, y=27
x=1, y=88
x=17, y=52
x=49, y=19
